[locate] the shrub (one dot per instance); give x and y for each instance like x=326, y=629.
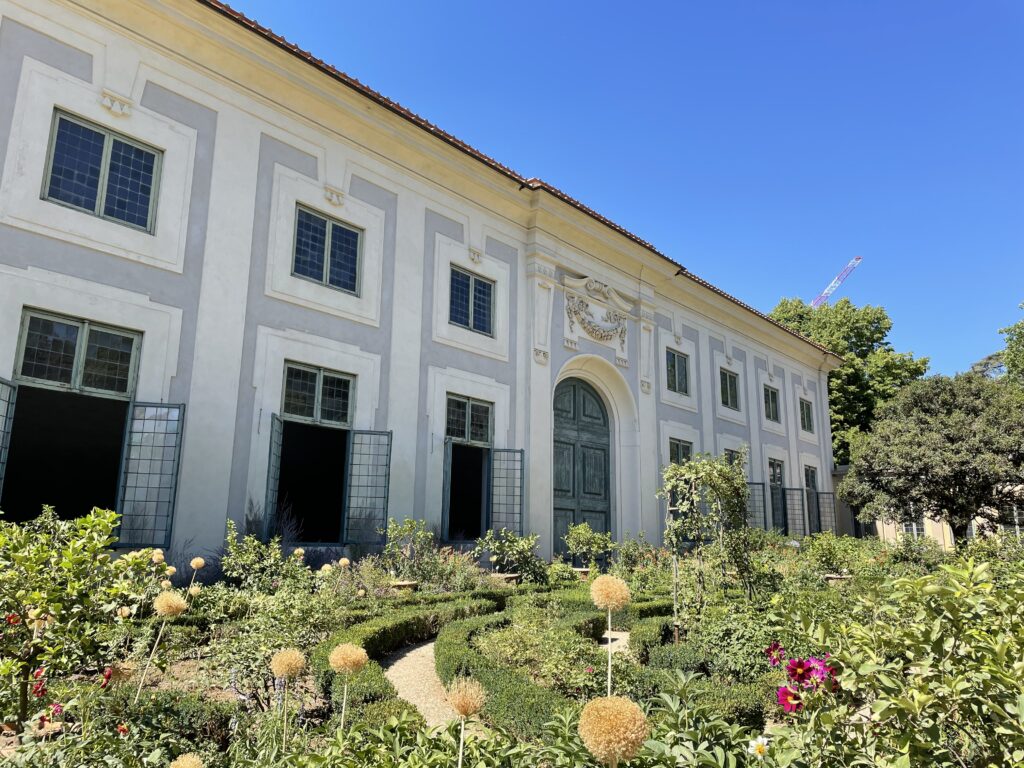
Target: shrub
x=378, y=714
x=587, y=545
x=192, y=717
x=923, y=552
x=648, y=634
x=366, y=686
x=263, y=567
x=59, y=593
x=514, y=553
x=741, y=703
x=687, y=656
x=384, y=634
x=514, y=702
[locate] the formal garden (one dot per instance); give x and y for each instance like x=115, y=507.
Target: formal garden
x=732, y=647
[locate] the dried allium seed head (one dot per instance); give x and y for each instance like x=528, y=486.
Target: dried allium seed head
x=166, y=584
x=171, y=570
x=158, y=556
x=288, y=663
x=609, y=593
x=613, y=729
x=194, y=590
x=348, y=658
x=360, y=593
x=326, y=568
x=169, y=604
x=197, y=563
x=466, y=696
x=299, y=553
x=124, y=611
x=189, y=760
x=344, y=562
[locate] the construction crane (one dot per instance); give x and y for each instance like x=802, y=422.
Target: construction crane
x=836, y=282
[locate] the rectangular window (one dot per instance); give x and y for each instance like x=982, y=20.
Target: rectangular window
x=806, y=416
x=730, y=389
x=471, y=302
x=317, y=395
x=776, y=472
x=77, y=355
x=810, y=478
x=468, y=420
x=98, y=171
x=771, y=404
x=677, y=368
x=732, y=456
x=326, y=251
x=679, y=451
x=914, y=528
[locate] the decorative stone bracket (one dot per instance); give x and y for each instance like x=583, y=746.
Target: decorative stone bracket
x=116, y=104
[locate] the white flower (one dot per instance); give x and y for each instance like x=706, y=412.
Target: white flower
x=758, y=747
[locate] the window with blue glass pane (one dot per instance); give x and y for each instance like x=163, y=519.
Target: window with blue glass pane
x=326, y=251
x=459, y=304
x=344, y=265
x=310, y=245
x=482, y=293
x=76, y=164
x=129, y=184
x=471, y=301
x=99, y=172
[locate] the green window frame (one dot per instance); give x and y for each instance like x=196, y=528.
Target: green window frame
x=468, y=420
x=317, y=395
x=330, y=225
x=85, y=362
x=771, y=404
x=679, y=451
x=810, y=477
x=730, y=386
x=677, y=371
x=109, y=137
x=807, y=416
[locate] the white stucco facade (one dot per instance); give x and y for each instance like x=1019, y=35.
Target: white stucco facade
x=248, y=131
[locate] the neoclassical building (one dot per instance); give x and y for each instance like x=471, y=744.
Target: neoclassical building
x=236, y=283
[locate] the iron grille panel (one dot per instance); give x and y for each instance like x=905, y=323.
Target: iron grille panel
x=8, y=394
x=273, y=476
x=813, y=510
x=149, y=474
x=755, y=505
x=827, y=511
x=507, y=489
x=369, y=476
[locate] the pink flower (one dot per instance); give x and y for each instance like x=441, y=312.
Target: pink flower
x=39, y=673
x=799, y=670
x=43, y=720
x=56, y=709
x=590, y=670
x=789, y=699
x=106, y=677
x=776, y=653
x=122, y=729
x=13, y=619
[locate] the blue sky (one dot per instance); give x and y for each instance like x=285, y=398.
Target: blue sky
x=762, y=145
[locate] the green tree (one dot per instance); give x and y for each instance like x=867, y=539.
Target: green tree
x=949, y=449
x=872, y=371
x=1013, y=355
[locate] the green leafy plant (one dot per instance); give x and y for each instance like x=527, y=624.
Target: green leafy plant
x=513, y=554
x=587, y=545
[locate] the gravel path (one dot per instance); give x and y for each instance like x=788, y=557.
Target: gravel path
x=412, y=672
x=618, y=640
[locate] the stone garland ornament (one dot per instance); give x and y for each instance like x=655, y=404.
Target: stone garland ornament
x=611, y=326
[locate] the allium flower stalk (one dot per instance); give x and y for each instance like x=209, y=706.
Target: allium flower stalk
x=188, y=760
x=287, y=664
x=347, y=659
x=467, y=698
x=609, y=594
x=167, y=605
x=613, y=729
x=197, y=564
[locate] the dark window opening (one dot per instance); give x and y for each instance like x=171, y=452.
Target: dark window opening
x=311, y=490
x=467, y=494
x=65, y=451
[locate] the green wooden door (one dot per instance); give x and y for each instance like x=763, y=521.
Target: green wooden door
x=581, y=460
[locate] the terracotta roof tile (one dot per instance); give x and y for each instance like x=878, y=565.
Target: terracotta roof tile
x=532, y=183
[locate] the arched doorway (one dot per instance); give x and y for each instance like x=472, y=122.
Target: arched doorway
x=581, y=460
